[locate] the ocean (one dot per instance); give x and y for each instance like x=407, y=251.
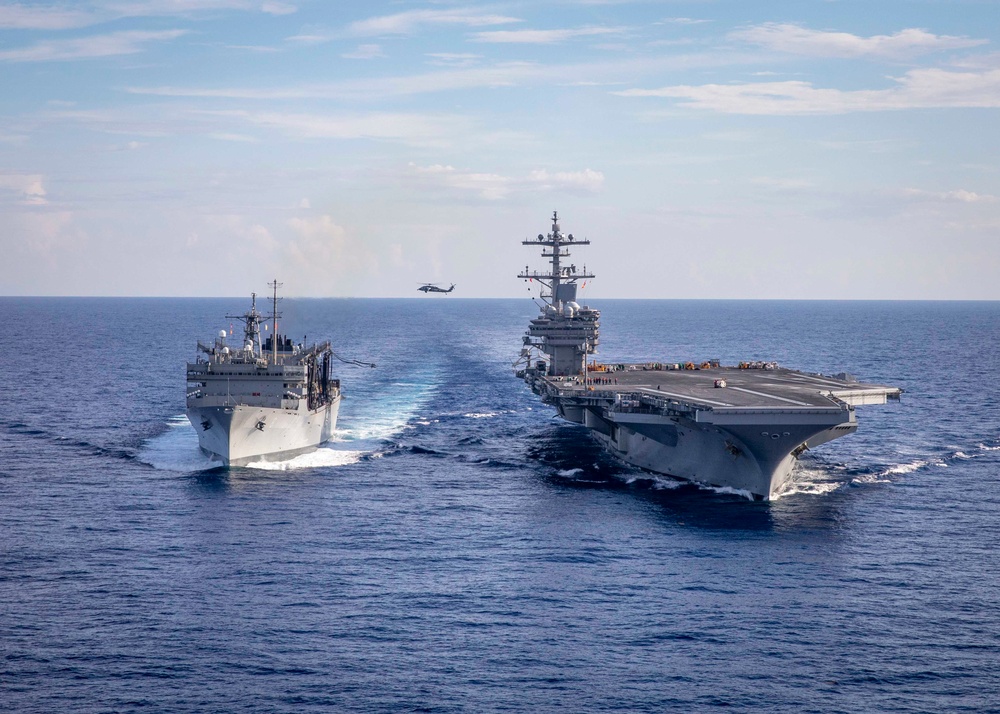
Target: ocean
x=457, y=548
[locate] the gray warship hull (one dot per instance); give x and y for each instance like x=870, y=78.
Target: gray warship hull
x=737, y=427
x=264, y=400
x=234, y=435
x=746, y=435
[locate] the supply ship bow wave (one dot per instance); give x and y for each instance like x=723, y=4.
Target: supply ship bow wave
x=741, y=427
x=267, y=399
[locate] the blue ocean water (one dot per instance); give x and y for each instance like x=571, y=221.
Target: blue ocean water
x=458, y=549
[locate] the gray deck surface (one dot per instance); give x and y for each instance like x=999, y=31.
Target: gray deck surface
x=780, y=387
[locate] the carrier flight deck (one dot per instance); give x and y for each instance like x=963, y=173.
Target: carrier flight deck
x=723, y=388
x=741, y=427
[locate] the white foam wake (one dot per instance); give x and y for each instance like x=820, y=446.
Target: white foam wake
x=487, y=415
x=382, y=416
x=808, y=488
x=324, y=456
x=664, y=484
x=900, y=469
x=728, y=490
x=176, y=449
x=812, y=481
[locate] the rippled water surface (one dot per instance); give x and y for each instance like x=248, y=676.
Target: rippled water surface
x=457, y=549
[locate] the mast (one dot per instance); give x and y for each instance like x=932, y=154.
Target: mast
x=566, y=332
x=555, y=242
x=274, y=316
x=251, y=324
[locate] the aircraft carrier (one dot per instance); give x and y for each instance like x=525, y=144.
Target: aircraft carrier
x=266, y=399
x=741, y=427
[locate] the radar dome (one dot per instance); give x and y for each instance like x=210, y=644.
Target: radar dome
x=222, y=334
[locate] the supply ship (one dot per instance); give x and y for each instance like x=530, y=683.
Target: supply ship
x=265, y=399
x=742, y=427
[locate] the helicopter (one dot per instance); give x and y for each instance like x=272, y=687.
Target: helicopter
x=434, y=288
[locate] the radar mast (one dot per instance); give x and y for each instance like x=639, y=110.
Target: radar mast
x=566, y=332
x=274, y=317
x=558, y=276
x=251, y=325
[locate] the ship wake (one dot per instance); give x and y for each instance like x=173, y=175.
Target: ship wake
x=176, y=449
x=376, y=417
x=324, y=456
x=817, y=477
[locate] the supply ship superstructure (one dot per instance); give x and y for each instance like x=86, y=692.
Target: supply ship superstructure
x=742, y=427
x=266, y=399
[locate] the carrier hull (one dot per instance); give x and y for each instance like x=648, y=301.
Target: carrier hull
x=739, y=427
x=746, y=436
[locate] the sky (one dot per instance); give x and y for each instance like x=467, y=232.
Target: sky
x=816, y=149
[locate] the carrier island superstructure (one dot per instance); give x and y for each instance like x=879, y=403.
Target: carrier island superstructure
x=266, y=399
x=742, y=427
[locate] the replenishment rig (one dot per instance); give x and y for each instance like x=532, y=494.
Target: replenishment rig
x=267, y=399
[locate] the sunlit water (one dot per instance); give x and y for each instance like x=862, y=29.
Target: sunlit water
x=454, y=548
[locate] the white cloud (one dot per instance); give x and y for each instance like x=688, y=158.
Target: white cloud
x=586, y=181
x=317, y=254
x=163, y=8
x=116, y=43
x=680, y=21
x=410, y=128
x=406, y=23
x=235, y=233
x=375, y=87
x=507, y=74
x=50, y=235
x=453, y=59
x=489, y=186
x=917, y=89
x=128, y=146
x=494, y=187
x=314, y=37
x=988, y=60
x=956, y=196
x=253, y=48
x=27, y=188
x=278, y=8
x=799, y=40
x=12, y=137
x=541, y=37
x=16, y=16
x=320, y=249
x=364, y=52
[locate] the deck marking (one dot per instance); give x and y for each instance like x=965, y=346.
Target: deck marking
x=771, y=396
x=826, y=380
x=686, y=398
